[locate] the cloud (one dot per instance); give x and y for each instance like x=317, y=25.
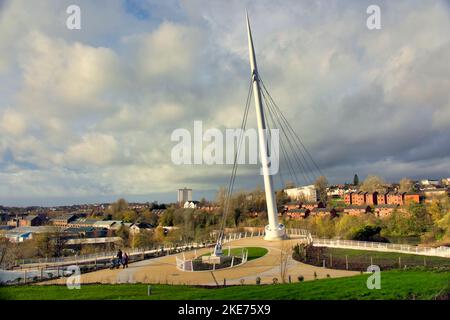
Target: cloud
x=89, y=113
x=96, y=149
x=12, y=123
x=169, y=50
x=71, y=74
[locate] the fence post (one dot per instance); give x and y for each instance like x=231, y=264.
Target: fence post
x=232, y=262
x=224, y=282
x=346, y=261
x=324, y=263
x=371, y=261
x=331, y=260
x=399, y=262
x=25, y=276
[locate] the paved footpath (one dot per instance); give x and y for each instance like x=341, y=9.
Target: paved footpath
x=163, y=270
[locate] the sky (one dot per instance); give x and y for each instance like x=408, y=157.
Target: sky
x=87, y=115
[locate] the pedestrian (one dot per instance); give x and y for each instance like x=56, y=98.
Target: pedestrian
x=119, y=255
x=125, y=260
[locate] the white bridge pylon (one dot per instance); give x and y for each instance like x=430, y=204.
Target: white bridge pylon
x=274, y=230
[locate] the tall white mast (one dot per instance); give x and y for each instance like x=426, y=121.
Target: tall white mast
x=274, y=231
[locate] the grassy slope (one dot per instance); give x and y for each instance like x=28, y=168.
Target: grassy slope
x=253, y=252
x=394, y=285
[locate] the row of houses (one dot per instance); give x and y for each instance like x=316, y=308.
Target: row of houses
x=375, y=198
x=381, y=211
x=20, y=229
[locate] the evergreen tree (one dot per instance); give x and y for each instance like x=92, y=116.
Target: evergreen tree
x=356, y=180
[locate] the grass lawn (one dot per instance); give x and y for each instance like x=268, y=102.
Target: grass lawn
x=409, y=259
x=253, y=252
x=410, y=284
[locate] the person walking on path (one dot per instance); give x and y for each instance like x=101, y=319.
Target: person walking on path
x=125, y=260
x=119, y=255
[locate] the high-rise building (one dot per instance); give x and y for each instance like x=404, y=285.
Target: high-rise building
x=184, y=195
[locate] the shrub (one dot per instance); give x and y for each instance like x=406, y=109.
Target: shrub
x=275, y=280
x=242, y=281
x=301, y=278
x=258, y=280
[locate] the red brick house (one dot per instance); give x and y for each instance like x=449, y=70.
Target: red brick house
x=292, y=205
x=359, y=198
x=324, y=211
x=348, y=198
x=372, y=199
x=412, y=197
x=355, y=210
x=30, y=221
x=381, y=198
x=312, y=205
x=395, y=198
x=384, y=210
x=298, y=213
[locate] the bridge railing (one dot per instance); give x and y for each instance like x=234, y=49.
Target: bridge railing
x=381, y=246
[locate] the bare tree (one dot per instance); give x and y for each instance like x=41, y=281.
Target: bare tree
x=321, y=185
x=406, y=185
x=373, y=183
x=4, y=246
x=285, y=255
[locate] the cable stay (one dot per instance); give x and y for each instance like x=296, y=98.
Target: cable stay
x=295, y=159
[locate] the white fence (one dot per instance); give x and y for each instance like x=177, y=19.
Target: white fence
x=301, y=233
x=105, y=256
x=184, y=264
x=380, y=246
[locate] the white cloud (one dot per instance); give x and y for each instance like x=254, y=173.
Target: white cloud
x=85, y=106
x=170, y=50
x=13, y=122
x=94, y=148
x=73, y=74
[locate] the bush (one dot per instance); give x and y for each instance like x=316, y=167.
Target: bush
x=369, y=233
x=300, y=278
x=275, y=280
x=258, y=280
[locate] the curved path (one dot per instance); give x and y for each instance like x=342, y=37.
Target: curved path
x=163, y=270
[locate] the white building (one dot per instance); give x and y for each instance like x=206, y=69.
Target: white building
x=191, y=204
x=305, y=193
x=184, y=195
x=429, y=182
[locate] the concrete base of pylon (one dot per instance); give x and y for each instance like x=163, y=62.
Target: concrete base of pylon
x=275, y=234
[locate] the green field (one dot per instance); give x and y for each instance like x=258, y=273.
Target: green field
x=412, y=284
x=253, y=252
x=387, y=259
